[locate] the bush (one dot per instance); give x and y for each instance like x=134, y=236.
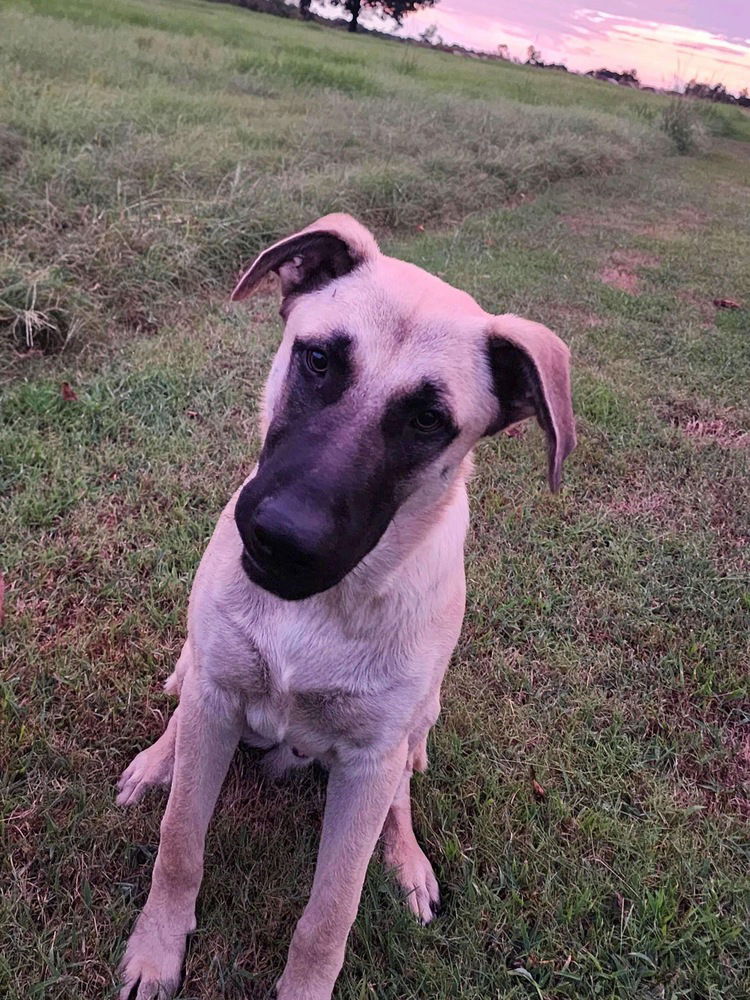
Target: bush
x=681, y=124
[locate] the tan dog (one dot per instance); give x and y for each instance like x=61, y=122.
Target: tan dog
x=330, y=598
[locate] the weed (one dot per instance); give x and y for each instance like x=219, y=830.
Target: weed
x=681, y=123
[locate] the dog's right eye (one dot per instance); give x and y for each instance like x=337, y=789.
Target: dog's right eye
x=316, y=361
x=427, y=420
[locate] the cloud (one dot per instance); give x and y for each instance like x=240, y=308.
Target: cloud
x=664, y=51
x=668, y=41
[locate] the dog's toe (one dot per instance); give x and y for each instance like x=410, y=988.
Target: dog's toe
x=424, y=900
x=147, y=989
x=152, y=964
x=417, y=879
x=147, y=770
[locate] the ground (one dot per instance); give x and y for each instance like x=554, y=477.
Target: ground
x=587, y=803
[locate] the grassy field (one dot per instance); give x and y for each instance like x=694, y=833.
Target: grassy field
x=146, y=151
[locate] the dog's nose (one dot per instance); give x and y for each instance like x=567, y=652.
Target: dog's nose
x=290, y=530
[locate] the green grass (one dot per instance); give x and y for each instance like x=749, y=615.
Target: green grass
x=147, y=151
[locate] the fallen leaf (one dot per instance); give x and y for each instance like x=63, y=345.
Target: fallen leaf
x=538, y=790
x=67, y=392
x=516, y=430
x=726, y=304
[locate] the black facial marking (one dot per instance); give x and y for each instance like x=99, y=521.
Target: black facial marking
x=330, y=385
x=329, y=481
x=410, y=445
x=305, y=391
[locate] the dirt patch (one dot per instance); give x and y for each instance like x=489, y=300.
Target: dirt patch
x=655, y=505
x=621, y=278
x=720, y=508
x=703, y=306
x=674, y=226
x=701, y=424
x=579, y=224
x=721, y=780
x=574, y=316
x=715, y=772
x=669, y=227
x=718, y=430
x=621, y=270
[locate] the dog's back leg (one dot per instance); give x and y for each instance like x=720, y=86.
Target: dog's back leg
x=402, y=853
x=152, y=767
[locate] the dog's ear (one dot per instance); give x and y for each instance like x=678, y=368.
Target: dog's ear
x=328, y=249
x=530, y=368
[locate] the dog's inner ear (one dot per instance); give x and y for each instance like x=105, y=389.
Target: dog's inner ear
x=516, y=385
x=534, y=380
x=303, y=262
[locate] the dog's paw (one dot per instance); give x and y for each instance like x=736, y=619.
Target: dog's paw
x=416, y=877
x=151, y=768
x=291, y=988
x=152, y=965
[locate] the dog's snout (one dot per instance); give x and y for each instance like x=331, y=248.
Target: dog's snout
x=289, y=530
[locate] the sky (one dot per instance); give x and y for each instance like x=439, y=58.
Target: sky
x=668, y=41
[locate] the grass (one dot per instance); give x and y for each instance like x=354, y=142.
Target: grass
x=148, y=150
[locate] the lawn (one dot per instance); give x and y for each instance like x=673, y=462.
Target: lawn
x=588, y=799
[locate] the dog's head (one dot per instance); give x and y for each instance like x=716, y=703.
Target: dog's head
x=385, y=379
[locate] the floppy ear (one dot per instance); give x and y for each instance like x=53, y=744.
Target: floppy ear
x=328, y=249
x=530, y=368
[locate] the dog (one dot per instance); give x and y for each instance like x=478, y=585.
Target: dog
x=331, y=595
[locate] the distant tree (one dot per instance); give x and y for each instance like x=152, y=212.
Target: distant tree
x=533, y=56
x=430, y=36
x=396, y=9
x=503, y=51
x=304, y=8
x=705, y=92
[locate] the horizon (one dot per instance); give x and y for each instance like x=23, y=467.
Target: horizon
x=666, y=42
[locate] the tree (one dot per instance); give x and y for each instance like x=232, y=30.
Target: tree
x=304, y=9
x=430, y=36
x=534, y=56
x=396, y=9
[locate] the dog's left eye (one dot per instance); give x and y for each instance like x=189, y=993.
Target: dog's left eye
x=316, y=361
x=427, y=420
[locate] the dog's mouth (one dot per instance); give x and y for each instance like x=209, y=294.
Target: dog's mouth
x=291, y=582
x=308, y=518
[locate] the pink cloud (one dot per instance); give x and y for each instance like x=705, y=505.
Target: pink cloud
x=681, y=45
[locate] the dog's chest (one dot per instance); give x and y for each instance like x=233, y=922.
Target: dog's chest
x=314, y=692
x=312, y=722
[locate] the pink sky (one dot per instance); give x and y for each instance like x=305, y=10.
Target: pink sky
x=665, y=40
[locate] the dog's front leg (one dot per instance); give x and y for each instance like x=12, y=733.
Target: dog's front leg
x=208, y=730
x=357, y=801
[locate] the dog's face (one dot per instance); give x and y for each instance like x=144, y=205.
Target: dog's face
x=385, y=379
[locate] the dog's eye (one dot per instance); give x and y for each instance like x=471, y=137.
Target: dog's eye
x=427, y=420
x=316, y=361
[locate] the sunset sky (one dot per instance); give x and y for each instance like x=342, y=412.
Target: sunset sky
x=665, y=40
